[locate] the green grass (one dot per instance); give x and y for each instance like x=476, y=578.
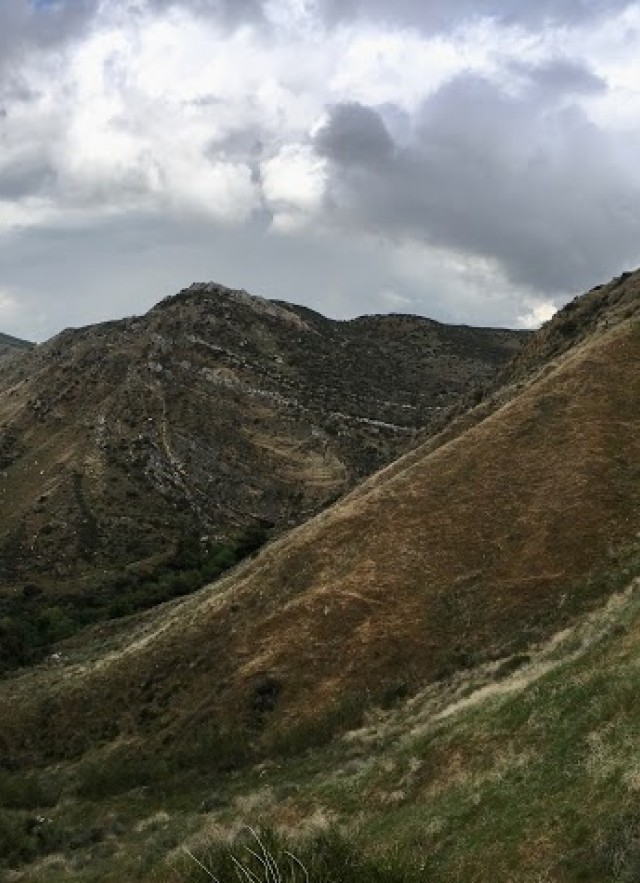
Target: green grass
x=540, y=783
x=267, y=857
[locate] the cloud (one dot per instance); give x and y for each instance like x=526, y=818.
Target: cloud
x=8, y=305
x=293, y=184
x=229, y=12
x=470, y=161
x=536, y=313
x=354, y=134
x=23, y=176
x=26, y=24
x=47, y=24
x=434, y=15
x=522, y=178
x=560, y=78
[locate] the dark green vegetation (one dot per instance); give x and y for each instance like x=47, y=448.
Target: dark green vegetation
x=32, y=622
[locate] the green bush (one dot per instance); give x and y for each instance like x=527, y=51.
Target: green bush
x=204, y=750
x=26, y=791
x=28, y=629
x=121, y=772
x=24, y=837
x=616, y=855
x=15, y=843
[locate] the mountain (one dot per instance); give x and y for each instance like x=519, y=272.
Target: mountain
x=459, y=631
x=11, y=346
x=138, y=458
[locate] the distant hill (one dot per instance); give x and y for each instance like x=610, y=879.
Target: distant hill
x=139, y=457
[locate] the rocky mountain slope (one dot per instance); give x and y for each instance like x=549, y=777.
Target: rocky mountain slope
x=11, y=346
x=498, y=559
x=214, y=415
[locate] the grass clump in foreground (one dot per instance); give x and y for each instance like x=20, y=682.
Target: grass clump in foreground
x=267, y=857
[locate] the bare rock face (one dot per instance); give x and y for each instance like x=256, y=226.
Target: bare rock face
x=215, y=414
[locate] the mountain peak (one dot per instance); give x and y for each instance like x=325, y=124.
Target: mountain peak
x=214, y=296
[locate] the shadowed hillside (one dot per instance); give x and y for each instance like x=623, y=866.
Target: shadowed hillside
x=10, y=347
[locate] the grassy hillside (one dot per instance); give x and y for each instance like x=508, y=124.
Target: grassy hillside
x=520, y=769
x=445, y=662
x=465, y=553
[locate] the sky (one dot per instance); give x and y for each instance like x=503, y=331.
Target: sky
x=474, y=162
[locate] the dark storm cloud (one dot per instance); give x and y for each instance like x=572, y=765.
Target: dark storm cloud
x=25, y=178
x=532, y=184
x=442, y=14
x=231, y=12
x=24, y=23
x=561, y=77
x=354, y=134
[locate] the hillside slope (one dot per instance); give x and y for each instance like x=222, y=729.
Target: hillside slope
x=139, y=458
x=11, y=346
x=454, y=555
x=215, y=411
x=445, y=661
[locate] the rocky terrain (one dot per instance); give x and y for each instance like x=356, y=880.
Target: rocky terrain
x=11, y=346
x=444, y=660
x=172, y=441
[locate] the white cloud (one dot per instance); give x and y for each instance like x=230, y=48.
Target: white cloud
x=293, y=184
x=8, y=305
x=24, y=213
x=222, y=190
x=18, y=315
x=469, y=289
x=536, y=314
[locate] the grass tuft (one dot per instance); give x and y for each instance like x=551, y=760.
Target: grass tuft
x=264, y=856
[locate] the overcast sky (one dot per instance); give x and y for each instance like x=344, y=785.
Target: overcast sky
x=474, y=162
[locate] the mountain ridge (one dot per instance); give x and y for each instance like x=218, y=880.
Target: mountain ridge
x=136, y=449
x=10, y=347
